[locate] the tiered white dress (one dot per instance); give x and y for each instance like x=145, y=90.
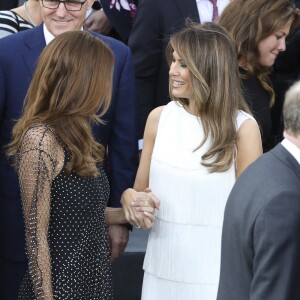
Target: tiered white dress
x=183, y=253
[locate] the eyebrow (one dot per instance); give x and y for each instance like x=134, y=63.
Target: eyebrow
x=179, y=59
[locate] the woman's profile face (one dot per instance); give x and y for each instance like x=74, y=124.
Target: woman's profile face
x=180, y=78
x=270, y=46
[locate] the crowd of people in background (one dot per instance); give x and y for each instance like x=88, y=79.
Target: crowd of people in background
x=199, y=87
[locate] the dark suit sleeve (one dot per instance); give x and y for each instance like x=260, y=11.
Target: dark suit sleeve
x=146, y=43
x=276, y=262
x=122, y=143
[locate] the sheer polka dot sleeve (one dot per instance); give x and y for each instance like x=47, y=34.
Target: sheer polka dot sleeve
x=36, y=171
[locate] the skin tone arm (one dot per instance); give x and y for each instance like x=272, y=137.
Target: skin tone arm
x=115, y=215
x=115, y=218
x=118, y=238
x=249, y=146
x=134, y=213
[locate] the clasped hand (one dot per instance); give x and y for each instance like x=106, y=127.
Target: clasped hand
x=139, y=207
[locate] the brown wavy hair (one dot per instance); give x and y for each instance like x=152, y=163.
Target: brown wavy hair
x=210, y=56
x=70, y=90
x=249, y=22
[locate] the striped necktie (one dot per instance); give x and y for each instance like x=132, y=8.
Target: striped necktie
x=215, y=10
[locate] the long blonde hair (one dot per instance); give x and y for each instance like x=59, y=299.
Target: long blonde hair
x=210, y=56
x=72, y=82
x=249, y=22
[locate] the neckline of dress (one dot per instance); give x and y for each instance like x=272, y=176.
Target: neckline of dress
x=183, y=109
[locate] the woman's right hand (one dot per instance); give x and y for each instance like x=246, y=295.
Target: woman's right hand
x=139, y=207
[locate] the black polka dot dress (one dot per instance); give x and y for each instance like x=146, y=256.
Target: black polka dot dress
x=64, y=219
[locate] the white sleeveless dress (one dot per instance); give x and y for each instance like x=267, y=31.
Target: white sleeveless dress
x=182, y=259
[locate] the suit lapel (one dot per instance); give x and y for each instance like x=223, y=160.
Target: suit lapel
x=287, y=158
x=34, y=45
x=188, y=8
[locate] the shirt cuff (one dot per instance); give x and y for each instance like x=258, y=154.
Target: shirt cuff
x=140, y=144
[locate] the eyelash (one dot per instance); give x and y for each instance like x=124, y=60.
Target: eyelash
x=181, y=64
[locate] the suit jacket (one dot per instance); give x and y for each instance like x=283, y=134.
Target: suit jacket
x=156, y=20
x=260, y=241
x=18, y=57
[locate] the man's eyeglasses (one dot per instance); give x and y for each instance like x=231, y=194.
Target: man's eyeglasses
x=70, y=5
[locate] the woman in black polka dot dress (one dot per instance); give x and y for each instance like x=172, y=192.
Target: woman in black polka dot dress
x=64, y=188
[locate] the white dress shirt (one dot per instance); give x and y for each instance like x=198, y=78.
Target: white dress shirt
x=205, y=9
x=292, y=148
x=48, y=35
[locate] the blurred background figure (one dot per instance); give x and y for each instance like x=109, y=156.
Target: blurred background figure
x=190, y=160
x=259, y=29
x=20, y=18
x=112, y=17
x=156, y=20
x=260, y=240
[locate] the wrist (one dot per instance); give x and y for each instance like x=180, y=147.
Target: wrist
x=127, y=196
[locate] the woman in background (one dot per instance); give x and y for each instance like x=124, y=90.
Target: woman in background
x=21, y=18
x=194, y=148
x=259, y=29
x=63, y=186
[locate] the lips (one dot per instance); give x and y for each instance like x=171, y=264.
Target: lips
x=62, y=21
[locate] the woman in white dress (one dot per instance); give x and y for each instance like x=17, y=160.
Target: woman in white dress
x=194, y=148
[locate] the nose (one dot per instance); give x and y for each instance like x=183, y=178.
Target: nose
x=282, y=46
x=61, y=11
x=173, y=69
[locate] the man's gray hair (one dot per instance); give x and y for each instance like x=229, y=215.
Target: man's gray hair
x=291, y=109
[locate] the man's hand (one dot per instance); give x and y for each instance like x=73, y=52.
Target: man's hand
x=97, y=21
x=118, y=238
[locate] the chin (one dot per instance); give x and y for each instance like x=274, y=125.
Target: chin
x=271, y=64
x=268, y=64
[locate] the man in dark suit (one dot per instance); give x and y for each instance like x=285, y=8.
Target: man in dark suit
x=18, y=56
x=260, y=241
x=156, y=20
